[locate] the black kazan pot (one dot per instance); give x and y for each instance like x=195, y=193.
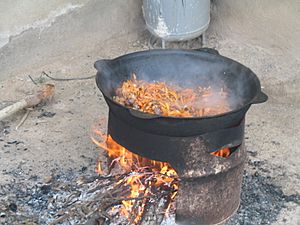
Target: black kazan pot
x=210, y=186
x=186, y=68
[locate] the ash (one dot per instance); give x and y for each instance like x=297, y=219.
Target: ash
x=261, y=201
x=68, y=198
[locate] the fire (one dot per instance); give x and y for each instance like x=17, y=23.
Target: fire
x=145, y=178
x=225, y=152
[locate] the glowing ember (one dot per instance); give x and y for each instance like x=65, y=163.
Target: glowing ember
x=169, y=100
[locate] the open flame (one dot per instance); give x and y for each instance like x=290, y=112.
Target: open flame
x=145, y=177
x=225, y=152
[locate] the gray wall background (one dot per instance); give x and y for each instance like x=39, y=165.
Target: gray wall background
x=270, y=24
x=41, y=32
x=34, y=33
x=20, y=15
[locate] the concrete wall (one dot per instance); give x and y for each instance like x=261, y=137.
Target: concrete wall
x=271, y=24
x=20, y=15
x=41, y=32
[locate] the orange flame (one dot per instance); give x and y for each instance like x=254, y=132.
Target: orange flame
x=145, y=176
x=225, y=152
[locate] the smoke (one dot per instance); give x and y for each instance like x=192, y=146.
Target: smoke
x=184, y=68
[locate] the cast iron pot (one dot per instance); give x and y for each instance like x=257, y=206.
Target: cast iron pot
x=187, y=68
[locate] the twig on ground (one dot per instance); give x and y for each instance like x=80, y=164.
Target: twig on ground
x=67, y=79
x=59, y=219
x=33, y=81
x=28, y=110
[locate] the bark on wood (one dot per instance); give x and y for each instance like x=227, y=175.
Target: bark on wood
x=45, y=92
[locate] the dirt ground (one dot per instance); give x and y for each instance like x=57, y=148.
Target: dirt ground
x=56, y=136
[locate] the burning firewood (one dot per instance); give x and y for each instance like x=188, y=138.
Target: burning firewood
x=45, y=92
x=98, y=201
x=151, y=185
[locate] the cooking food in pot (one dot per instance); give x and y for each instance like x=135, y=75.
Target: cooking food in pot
x=171, y=100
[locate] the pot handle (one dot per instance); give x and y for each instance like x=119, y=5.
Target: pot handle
x=142, y=115
x=102, y=65
x=208, y=50
x=259, y=98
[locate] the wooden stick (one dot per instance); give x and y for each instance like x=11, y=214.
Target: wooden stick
x=45, y=92
x=59, y=219
x=28, y=110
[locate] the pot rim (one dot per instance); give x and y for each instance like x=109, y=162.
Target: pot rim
x=260, y=97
